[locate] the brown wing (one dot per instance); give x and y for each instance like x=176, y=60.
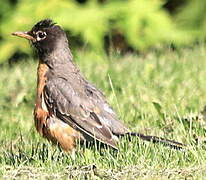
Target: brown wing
x=105, y=111
x=78, y=110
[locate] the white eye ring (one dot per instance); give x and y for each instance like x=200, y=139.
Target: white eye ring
x=40, y=35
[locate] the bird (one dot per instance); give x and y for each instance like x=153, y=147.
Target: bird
x=68, y=108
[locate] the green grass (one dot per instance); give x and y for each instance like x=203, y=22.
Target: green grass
x=174, y=80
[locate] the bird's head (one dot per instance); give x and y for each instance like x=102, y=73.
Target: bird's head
x=45, y=36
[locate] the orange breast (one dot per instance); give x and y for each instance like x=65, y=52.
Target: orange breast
x=47, y=124
x=40, y=115
x=61, y=133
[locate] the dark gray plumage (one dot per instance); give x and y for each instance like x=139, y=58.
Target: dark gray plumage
x=68, y=107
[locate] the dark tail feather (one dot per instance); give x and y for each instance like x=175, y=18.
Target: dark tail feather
x=155, y=139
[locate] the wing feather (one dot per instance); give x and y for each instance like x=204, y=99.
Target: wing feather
x=76, y=109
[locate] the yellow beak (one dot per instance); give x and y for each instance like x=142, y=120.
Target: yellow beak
x=24, y=35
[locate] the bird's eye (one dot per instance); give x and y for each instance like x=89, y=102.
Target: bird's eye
x=41, y=35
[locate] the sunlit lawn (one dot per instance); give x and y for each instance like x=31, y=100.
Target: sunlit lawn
x=174, y=80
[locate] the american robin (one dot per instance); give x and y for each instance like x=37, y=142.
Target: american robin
x=69, y=108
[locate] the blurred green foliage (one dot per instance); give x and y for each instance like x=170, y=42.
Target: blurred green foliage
x=138, y=24
x=192, y=18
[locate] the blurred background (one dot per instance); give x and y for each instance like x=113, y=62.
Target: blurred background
x=106, y=26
